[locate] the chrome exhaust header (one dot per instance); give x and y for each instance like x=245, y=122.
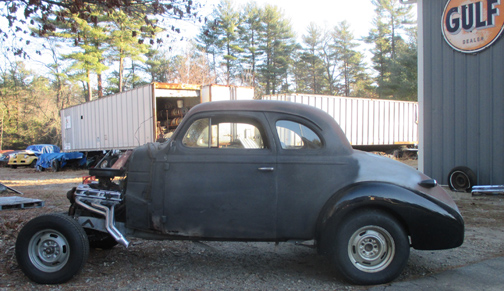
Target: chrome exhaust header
x=101, y=202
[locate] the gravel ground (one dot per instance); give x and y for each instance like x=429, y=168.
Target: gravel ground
x=176, y=265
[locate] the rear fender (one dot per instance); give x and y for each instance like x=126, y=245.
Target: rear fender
x=430, y=223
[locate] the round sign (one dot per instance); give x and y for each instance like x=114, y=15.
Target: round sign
x=470, y=26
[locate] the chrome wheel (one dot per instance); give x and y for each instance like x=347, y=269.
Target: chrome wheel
x=48, y=251
x=371, y=249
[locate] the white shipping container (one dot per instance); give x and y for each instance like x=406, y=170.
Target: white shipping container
x=132, y=118
x=365, y=121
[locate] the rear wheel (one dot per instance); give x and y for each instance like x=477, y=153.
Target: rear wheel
x=369, y=247
x=52, y=248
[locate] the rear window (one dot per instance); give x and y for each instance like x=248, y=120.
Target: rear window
x=296, y=136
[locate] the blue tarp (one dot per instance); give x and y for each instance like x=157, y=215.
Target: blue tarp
x=45, y=160
x=39, y=149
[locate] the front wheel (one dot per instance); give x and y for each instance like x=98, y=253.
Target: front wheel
x=52, y=248
x=369, y=247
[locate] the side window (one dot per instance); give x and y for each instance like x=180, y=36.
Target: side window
x=294, y=135
x=197, y=135
x=207, y=133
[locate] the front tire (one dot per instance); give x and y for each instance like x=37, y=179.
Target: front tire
x=52, y=248
x=369, y=247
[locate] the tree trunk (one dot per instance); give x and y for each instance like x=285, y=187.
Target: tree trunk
x=90, y=93
x=121, y=69
x=100, y=87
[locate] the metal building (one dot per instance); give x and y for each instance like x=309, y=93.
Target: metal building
x=461, y=88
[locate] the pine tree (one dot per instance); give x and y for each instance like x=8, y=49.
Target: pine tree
x=229, y=20
x=391, y=21
x=207, y=43
x=278, y=44
x=350, y=61
x=18, y=13
x=328, y=56
x=249, y=41
x=157, y=65
x=316, y=83
x=89, y=38
x=126, y=36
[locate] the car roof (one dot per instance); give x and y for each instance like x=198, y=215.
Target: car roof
x=305, y=111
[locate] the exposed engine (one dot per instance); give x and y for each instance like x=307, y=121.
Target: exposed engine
x=94, y=198
x=100, y=196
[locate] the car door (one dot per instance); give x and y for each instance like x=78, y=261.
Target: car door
x=220, y=178
x=308, y=173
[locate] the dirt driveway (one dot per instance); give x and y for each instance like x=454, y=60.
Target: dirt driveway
x=154, y=265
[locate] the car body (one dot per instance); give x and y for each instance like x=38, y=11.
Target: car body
x=4, y=156
x=30, y=155
x=56, y=161
x=258, y=171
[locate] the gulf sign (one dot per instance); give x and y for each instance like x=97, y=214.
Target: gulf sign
x=470, y=26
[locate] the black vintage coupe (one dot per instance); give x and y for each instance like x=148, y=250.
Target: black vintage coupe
x=252, y=171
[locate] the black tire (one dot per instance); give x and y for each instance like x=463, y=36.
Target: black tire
x=369, y=247
x=55, y=165
x=52, y=248
x=33, y=164
x=461, y=179
x=100, y=240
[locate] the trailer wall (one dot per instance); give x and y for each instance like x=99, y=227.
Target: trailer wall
x=365, y=122
x=212, y=93
x=119, y=121
x=135, y=117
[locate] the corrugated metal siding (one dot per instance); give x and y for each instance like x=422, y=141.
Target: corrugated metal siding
x=118, y=121
x=463, y=105
x=365, y=121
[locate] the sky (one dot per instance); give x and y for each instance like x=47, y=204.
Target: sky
x=358, y=13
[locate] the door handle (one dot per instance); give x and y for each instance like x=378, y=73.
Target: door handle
x=266, y=169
